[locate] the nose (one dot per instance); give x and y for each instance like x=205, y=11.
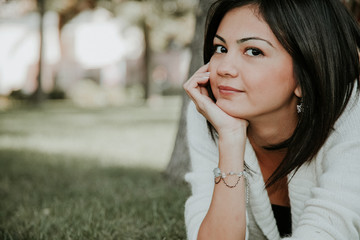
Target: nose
x=227, y=67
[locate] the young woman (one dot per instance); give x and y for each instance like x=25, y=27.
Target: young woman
x=274, y=127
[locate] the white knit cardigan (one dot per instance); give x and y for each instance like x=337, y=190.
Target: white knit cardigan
x=324, y=195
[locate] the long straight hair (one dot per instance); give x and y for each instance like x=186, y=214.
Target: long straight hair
x=323, y=40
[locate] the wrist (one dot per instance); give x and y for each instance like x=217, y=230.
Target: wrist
x=231, y=152
x=233, y=136
x=237, y=133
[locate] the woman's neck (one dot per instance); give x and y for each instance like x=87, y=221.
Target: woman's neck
x=266, y=133
x=269, y=160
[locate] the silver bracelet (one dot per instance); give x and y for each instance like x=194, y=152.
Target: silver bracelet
x=218, y=176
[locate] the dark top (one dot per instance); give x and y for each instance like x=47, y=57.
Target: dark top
x=283, y=219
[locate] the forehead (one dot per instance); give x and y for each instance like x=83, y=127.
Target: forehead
x=243, y=22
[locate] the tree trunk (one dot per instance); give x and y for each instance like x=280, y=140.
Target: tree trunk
x=180, y=160
x=38, y=95
x=147, y=60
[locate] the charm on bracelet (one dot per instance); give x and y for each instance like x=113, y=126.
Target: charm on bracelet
x=218, y=176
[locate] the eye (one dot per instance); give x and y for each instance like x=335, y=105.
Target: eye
x=220, y=49
x=254, y=52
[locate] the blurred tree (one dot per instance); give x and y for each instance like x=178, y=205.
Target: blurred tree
x=179, y=162
x=165, y=24
x=150, y=15
x=67, y=9
x=38, y=94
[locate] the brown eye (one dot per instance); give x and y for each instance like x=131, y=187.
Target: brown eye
x=220, y=49
x=253, y=52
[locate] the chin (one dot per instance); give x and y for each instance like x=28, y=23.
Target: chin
x=232, y=109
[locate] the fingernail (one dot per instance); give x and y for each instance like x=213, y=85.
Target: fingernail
x=208, y=73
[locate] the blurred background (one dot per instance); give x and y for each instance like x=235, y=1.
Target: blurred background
x=107, y=54
x=90, y=104
x=92, y=123
x=56, y=48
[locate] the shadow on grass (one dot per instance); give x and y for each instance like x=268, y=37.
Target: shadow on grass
x=55, y=197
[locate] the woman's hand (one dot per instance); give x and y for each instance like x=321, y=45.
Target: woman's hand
x=226, y=204
x=224, y=124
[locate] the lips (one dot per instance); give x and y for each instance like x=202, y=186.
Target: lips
x=228, y=89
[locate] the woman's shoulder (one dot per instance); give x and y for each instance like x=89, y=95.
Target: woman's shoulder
x=349, y=121
x=344, y=141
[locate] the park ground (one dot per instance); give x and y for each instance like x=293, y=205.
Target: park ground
x=89, y=173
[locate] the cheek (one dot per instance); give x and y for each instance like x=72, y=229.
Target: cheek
x=213, y=86
x=278, y=88
x=213, y=82
x=272, y=79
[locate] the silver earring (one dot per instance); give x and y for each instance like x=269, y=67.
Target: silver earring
x=299, y=107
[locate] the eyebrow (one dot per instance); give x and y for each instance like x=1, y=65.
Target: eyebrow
x=242, y=40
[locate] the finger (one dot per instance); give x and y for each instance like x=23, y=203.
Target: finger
x=203, y=68
x=196, y=85
x=196, y=88
x=196, y=81
x=201, y=72
x=204, y=90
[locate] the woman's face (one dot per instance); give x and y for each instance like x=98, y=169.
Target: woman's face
x=251, y=74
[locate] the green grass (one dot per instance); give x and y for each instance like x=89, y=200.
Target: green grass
x=58, y=194
x=49, y=197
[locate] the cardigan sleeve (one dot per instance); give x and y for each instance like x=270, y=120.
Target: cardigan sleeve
x=333, y=211
x=204, y=157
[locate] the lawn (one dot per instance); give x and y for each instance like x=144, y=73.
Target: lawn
x=72, y=173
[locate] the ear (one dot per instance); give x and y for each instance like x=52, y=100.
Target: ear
x=297, y=91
